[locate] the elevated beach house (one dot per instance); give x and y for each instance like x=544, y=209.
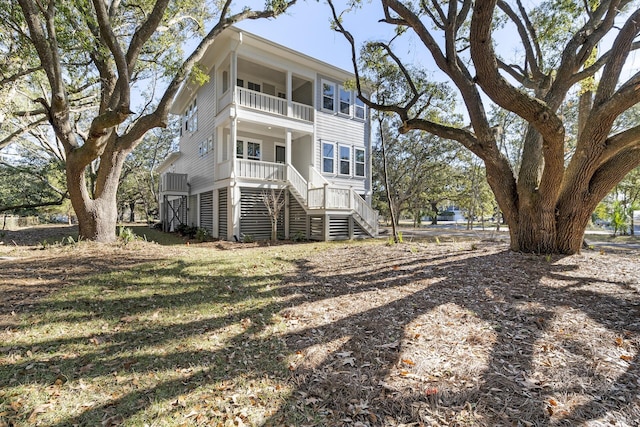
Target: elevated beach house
x=269, y=118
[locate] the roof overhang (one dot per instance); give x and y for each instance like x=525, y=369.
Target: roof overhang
x=172, y=157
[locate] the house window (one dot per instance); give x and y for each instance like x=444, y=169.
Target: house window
x=345, y=160
x=253, y=86
x=206, y=147
x=345, y=101
x=359, y=106
x=191, y=117
x=248, y=150
x=240, y=149
x=328, y=153
x=328, y=96
x=253, y=150
x=240, y=83
x=225, y=81
x=359, y=162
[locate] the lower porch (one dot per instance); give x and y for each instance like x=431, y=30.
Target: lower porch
x=240, y=214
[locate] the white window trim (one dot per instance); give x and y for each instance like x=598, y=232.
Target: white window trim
x=225, y=82
x=191, y=117
x=335, y=96
x=350, y=93
x=206, y=147
x=322, y=157
x=275, y=150
x=245, y=149
x=355, y=108
x=350, y=149
x=356, y=162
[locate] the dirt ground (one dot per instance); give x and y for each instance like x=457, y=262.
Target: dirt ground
x=463, y=333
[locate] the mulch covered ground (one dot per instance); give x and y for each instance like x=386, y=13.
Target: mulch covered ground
x=439, y=334
x=467, y=334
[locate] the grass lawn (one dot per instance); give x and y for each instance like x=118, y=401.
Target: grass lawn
x=315, y=334
x=136, y=334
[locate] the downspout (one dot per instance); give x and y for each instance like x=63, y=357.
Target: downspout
x=234, y=190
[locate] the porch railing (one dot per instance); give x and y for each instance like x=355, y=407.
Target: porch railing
x=324, y=197
x=255, y=169
x=366, y=212
x=174, y=182
x=315, y=178
x=302, y=111
x=298, y=183
x=272, y=104
x=260, y=101
x=329, y=198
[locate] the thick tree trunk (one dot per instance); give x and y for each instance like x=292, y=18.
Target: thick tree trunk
x=132, y=214
x=434, y=212
x=97, y=217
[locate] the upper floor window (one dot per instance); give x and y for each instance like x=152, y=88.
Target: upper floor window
x=359, y=109
x=191, y=117
x=328, y=96
x=225, y=81
x=253, y=86
x=328, y=155
x=345, y=101
x=359, y=162
x=345, y=160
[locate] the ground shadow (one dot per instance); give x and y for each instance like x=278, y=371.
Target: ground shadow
x=356, y=348
x=505, y=291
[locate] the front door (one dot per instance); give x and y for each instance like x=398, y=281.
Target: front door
x=281, y=156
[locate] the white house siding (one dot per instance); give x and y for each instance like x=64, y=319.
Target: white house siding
x=192, y=210
x=268, y=145
x=340, y=130
x=301, y=150
x=199, y=167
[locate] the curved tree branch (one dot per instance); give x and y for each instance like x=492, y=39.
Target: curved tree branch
x=160, y=115
x=32, y=125
x=524, y=29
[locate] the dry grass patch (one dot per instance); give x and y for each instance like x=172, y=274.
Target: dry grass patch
x=354, y=334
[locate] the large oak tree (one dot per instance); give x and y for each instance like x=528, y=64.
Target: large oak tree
x=93, y=55
x=563, y=48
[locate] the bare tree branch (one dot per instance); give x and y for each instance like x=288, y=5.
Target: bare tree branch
x=10, y=138
x=18, y=75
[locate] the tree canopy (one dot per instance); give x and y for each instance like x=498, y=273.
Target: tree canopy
x=82, y=62
x=565, y=50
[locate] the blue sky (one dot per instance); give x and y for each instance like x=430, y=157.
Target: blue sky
x=307, y=28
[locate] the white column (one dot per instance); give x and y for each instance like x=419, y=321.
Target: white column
x=287, y=147
x=232, y=148
x=233, y=75
x=288, y=95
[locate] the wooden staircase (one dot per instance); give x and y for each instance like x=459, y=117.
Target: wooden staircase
x=328, y=198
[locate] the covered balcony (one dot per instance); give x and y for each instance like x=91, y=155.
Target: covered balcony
x=262, y=88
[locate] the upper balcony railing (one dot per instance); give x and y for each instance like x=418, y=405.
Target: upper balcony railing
x=270, y=104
